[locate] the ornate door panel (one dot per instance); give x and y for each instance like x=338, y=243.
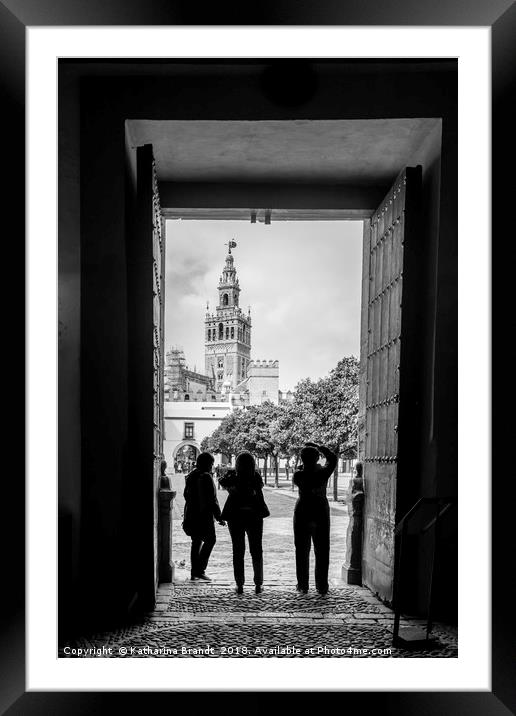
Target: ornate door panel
x=158, y=305
x=381, y=385
x=147, y=328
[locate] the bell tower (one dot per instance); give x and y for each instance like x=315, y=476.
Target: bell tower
x=227, y=332
x=229, y=288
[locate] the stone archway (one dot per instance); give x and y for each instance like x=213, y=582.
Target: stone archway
x=185, y=454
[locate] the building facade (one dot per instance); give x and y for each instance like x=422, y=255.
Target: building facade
x=183, y=384
x=260, y=386
x=186, y=424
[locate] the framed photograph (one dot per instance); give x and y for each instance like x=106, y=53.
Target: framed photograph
x=267, y=260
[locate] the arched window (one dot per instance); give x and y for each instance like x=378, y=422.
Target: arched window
x=227, y=332
x=221, y=331
x=225, y=299
x=232, y=332
x=209, y=334
x=187, y=397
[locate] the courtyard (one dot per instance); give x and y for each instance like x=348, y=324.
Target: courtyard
x=278, y=540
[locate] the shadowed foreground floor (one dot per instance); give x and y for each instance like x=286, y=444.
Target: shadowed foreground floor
x=210, y=621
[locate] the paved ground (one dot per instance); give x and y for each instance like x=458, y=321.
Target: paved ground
x=278, y=539
x=211, y=621
x=208, y=620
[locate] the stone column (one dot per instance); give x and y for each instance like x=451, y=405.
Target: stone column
x=352, y=567
x=166, y=500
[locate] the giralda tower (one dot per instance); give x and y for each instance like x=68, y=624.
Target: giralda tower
x=227, y=332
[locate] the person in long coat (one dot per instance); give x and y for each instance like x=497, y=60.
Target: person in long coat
x=244, y=511
x=201, y=511
x=312, y=516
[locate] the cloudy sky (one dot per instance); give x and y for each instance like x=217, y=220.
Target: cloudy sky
x=301, y=279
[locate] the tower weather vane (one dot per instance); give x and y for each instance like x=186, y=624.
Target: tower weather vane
x=231, y=245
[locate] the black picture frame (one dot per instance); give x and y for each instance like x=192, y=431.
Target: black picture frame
x=15, y=16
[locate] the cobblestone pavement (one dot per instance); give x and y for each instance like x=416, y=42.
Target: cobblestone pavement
x=211, y=621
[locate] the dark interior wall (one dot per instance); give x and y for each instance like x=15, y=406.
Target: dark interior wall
x=431, y=468
x=445, y=386
x=417, y=476
x=429, y=157
x=419, y=479
x=182, y=91
x=104, y=356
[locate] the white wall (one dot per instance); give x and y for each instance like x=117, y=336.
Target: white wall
x=263, y=381
x=206, y=417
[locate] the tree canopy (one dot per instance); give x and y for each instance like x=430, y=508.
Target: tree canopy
x=324, y=411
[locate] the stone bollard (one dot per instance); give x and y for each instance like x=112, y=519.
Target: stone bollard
x=352, y=567
x=166, y=498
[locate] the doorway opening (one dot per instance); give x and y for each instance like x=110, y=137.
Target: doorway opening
x=362, y=170
x=260, y=317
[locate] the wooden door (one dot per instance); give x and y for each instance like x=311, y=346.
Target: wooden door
x=158, y=305
x=390, y=238
x=146, y=297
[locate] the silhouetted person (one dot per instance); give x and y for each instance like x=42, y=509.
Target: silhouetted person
x=201, y=509
x=244, y=511
x=312, y=516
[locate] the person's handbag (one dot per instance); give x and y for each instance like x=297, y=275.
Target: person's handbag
x=262, y=506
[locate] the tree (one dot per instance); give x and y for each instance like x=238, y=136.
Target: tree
x=332, y=404
x=207, y=444
x=260, y=440
x=340, y=426
x=289, y=430
x=323, y=411
x=226, y=438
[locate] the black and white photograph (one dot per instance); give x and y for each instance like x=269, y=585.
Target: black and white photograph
x=258, y=413
x=268, y=359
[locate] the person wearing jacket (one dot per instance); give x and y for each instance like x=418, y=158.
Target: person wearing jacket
x=312, y=516
x=244, y=511
x=201, y=509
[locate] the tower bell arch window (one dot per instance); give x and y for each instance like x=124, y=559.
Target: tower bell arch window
x=225, y=299
x=221, y=331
